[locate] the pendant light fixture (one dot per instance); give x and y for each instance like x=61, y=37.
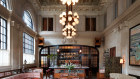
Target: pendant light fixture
x=69, y=19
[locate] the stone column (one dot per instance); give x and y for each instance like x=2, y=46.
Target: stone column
x=125, y=45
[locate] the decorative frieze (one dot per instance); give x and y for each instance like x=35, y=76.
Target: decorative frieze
x=75, y=8
x=58, y=2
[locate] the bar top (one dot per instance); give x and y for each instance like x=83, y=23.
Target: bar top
x=57, y=67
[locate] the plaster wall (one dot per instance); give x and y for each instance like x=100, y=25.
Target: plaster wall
x=82, y=38
x=117, y=35
x=15, y=29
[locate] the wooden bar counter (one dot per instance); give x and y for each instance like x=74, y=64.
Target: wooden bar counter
x=59, y=72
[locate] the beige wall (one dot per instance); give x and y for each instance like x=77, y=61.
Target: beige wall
x=117, y=35
x=82, y=38
x=16, y=27
x=86, y=38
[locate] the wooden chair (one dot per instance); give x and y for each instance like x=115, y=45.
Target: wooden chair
x=48, y=72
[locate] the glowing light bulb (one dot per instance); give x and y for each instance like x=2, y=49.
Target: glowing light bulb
x=74, y=29
x=64, y=33
x=77, y=22
x=70, y=12
x=64, y=13
x=73, y=33
x=75, y=19
x=64, y=19
x=69, y=32
x=75, y=14
x=60, y=15
x=63, y=23
x=69, y=18
x=73, y=23
x=69, y=2
x=73, y=1
x=66, y=26
x=78, y=16
x=64, y=1
x=76, y=0
x=60, y=21
x=68, y=37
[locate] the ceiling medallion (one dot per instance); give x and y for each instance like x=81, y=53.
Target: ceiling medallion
x=69, y=19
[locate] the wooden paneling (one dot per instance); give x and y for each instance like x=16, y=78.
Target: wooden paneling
x=47, y=24
x=50, y=24
x=90, y=24
x=44, y=24
x=87, y=24
x=93, y=24
x=113, y=52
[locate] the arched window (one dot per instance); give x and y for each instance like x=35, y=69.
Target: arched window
x=3, y=3
x=27, y=19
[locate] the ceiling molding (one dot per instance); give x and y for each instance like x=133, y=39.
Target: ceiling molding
x=75, y=8
x=58, y=2
x=36, y=4
x=83, y=6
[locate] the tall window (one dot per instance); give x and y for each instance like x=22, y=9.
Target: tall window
x=3, y=34
x=90, y=24
x=28, y=49
x=116, y=9
x=47, y=24
x=27, y=19
x=132, y=1
x=3, y=2
x=4, y=55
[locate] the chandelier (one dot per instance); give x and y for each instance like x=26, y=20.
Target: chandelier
x=69, y=19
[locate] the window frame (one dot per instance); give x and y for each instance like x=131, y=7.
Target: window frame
x=28, y=14
x=32, y=42
x=5, y=35
x=90, y=25
x=47, y=24
x=116, y=9
x=132, y=1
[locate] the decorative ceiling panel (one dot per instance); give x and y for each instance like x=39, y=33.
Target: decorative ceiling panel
x=58, y=2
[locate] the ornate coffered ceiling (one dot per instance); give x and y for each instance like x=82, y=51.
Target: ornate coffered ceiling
x=82, y=5
x=58, y=2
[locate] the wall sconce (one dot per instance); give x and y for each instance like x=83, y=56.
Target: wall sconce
x=122, y=61
x=58, y=50
x=80, y=51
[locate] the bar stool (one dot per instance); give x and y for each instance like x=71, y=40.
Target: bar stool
x=48, y=72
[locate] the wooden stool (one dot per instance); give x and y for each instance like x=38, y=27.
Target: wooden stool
x=48, y=72
x=90, y=73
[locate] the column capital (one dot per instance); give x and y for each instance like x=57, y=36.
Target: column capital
x=12, y=23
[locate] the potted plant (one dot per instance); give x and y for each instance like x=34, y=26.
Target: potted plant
x=52, y=57
x=70, y=66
